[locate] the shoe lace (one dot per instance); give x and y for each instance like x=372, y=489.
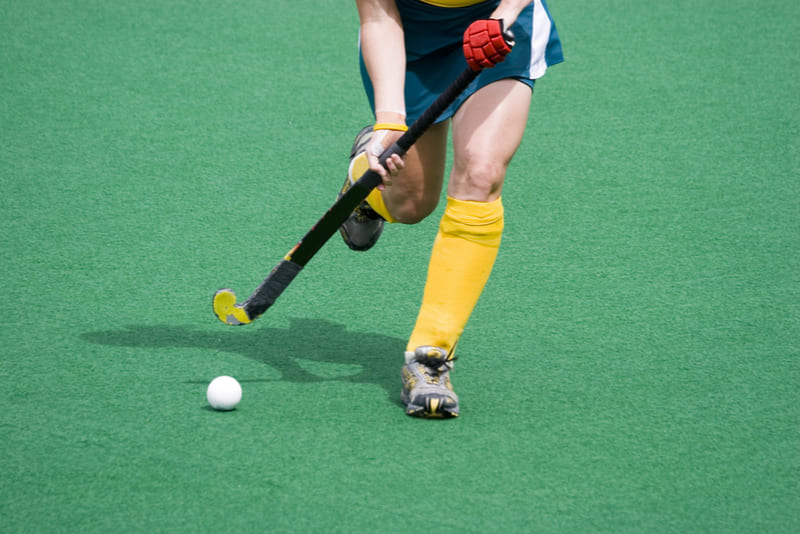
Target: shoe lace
x=436, y=366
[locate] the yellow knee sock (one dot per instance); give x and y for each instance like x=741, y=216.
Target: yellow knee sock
x=461, y=260
x=358, y=167
x=375, y=201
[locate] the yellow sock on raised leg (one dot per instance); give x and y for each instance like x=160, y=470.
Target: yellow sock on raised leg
x=375, y=201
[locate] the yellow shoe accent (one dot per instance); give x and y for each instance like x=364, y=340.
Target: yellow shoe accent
x=227, y=311
x=375, y=201
x=358, y=167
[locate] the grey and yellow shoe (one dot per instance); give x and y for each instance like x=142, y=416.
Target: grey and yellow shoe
x=427, y=391
x=363, y=227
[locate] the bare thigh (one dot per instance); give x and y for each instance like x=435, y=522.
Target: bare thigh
x=415, y=192
x=487, y=130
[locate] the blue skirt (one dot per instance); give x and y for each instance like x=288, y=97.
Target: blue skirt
x=435, y=58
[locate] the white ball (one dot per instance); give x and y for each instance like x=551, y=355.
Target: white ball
x=224, y=393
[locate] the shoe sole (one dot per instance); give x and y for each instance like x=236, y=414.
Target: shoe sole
x=437, y=408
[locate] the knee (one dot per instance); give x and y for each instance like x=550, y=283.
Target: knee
x=412, y=211
x=480, y=178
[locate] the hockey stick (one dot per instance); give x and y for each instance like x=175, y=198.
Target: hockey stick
x=225, y=306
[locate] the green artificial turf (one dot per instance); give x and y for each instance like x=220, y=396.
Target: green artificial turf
x=631, y=367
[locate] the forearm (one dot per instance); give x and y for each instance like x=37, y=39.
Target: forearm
x=509, y=10
x=383, y=48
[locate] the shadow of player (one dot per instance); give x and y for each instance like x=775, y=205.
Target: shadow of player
x=358, y=357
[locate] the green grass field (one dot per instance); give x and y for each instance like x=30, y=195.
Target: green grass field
x=632, y=366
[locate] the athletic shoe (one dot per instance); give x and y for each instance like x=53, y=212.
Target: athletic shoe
x=363, y=227
x=427, y=391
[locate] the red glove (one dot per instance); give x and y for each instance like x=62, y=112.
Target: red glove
x=485, y=44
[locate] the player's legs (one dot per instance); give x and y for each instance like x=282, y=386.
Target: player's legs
x=487, y=131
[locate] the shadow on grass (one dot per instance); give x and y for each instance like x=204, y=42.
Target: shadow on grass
x=310, y=350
